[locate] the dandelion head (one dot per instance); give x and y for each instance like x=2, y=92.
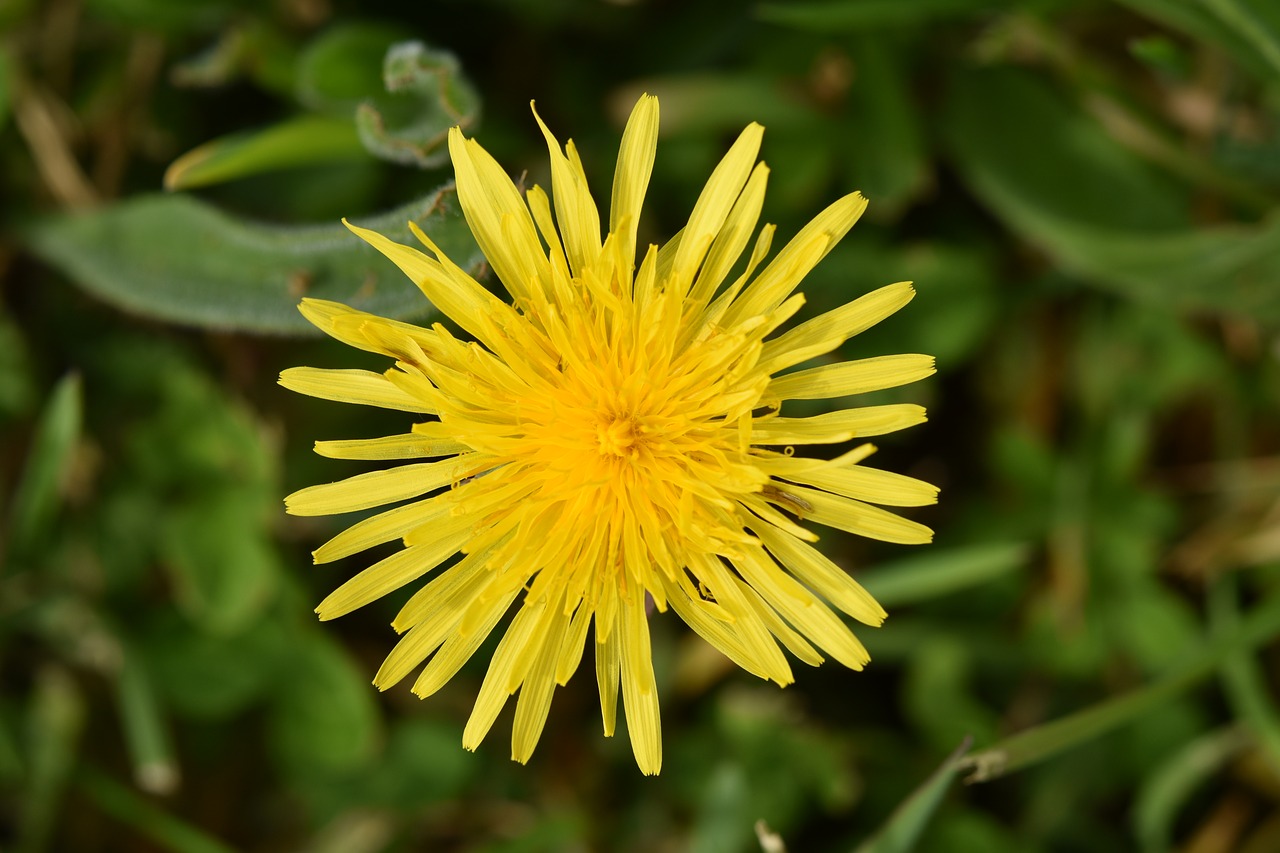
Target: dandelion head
x=612, y=438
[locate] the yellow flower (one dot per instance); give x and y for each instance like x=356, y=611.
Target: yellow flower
x=612, y=438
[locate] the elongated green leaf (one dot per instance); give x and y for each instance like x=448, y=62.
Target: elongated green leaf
x=1164, y=794
x=302, y=141
x=124, y=805
x=942, y=572
x=1244, y=681
x=176, y=258
x=47, y=466
x=428, y=95
x=902, y=830
x=832, y=16
x=1045, y=741
x=56, y=720
x=1099, y=210
x=154, y=767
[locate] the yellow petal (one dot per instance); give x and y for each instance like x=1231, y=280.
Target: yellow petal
x=389, y=575
x=639, y=689
x=732, y=237
x=575, y=208
x=362, y=387
x=378, y=487
x=409, y=446
x=827, y=331
x=631, y=177
x=851, y=377
x=713, y=206
x=813, y=568
x=793, y=263
x=860, y=518
x=497, y=216
x=835, y=427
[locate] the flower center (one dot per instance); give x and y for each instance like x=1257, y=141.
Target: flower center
x=617, y=436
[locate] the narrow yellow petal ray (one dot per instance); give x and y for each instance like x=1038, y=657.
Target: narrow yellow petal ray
x=639, y=689
x=361, y=387
x=574, y=642
x=407, y=446
x=869, y=484
x=608, y=669
x=382, y=528
x=713, y=205
x=376, y=488
x=796, y=644
x=540, y=208
x=345, y=324
x=539, y=684
x=497, y=216
x=835, y=427
x=717, y=632
x=801, y=608
x=575, y=208
x=846, y=378
x=631, y=177
x=861, y=518
x=453, y=590
x=814, y=569
x=827, y=331
x=484, y=614
x=520, y=639
x=390, y=574
x=732, y=237
x=797, y=258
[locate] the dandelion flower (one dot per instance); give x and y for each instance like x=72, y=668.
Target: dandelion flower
x=612, y=438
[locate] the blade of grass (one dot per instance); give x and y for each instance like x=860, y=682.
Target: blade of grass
x=902, y=830
x=36, y=499
x=128, y=807
x=154, y=768
x=1045, y=741
x=57, y=715
x=1164, y=794
x=1242, y=679
x=942, y=572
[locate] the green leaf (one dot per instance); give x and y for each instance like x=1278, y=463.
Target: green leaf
x=1164, y=794
x=324, y=718
x=301, y=141
x=942, y=572
x=224, y=568
x=1042, y=742
x=48, y=465
x=154, y=767
x=178, y=259
x=56, y=720
x=342, y=67
x=1101, y=211
x=902, y=830
x=428, y=95
x=1243, y=678
x=834, y=16
x=129, y=808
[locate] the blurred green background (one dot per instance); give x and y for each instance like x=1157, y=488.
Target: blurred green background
x=1085, y=194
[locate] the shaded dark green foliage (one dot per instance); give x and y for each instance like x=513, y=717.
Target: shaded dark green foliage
x=1085, y=194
